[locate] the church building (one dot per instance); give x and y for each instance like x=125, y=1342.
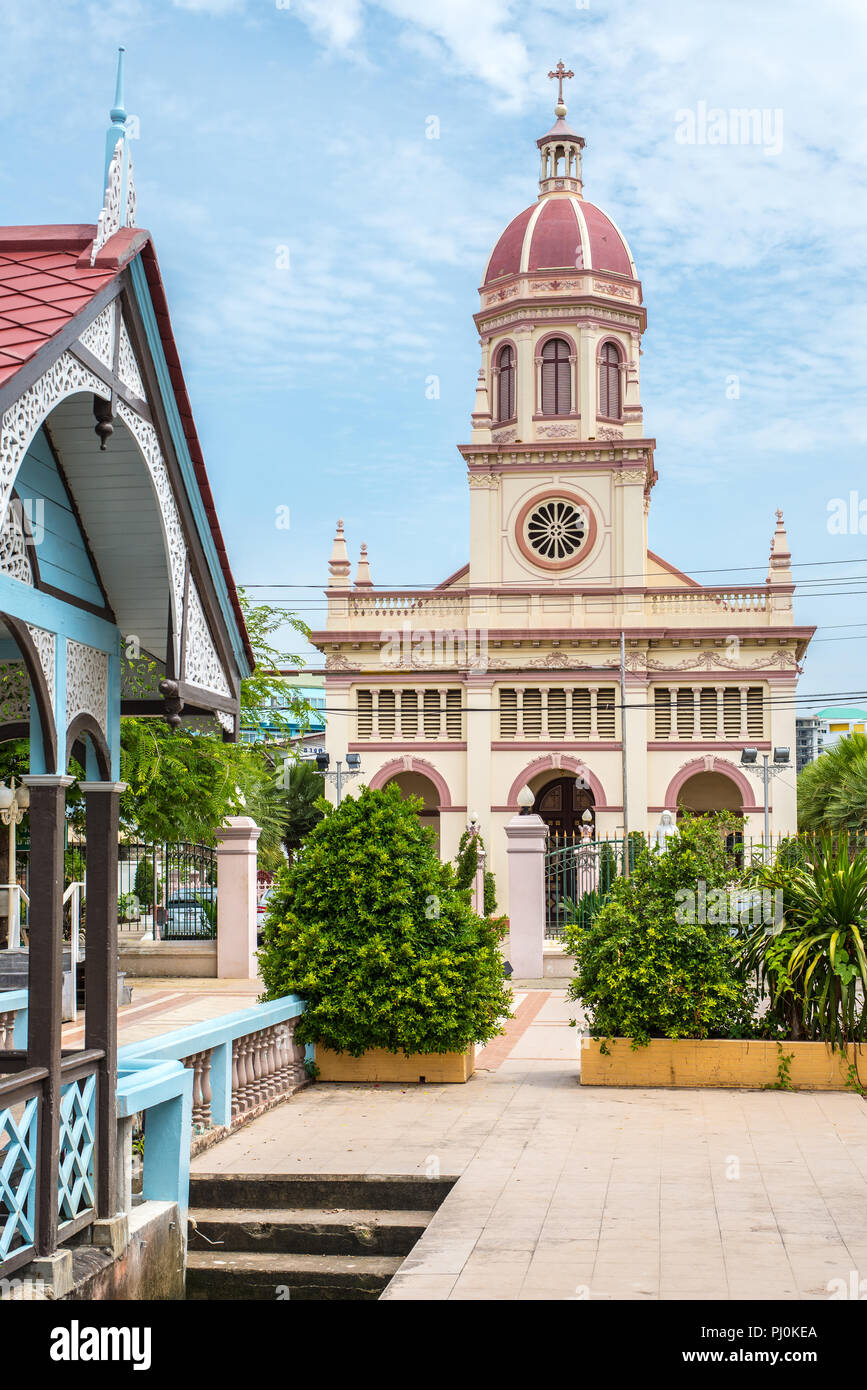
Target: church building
x=508, y=674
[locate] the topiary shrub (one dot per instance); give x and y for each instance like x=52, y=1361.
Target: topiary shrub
x=655, y=962
x=466, y=863
x=147, y=886
x=373, y=931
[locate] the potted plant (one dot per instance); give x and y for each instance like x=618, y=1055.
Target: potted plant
x=401, y=978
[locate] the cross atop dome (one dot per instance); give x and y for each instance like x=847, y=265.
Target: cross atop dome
x=560, y=73
x=561, y=147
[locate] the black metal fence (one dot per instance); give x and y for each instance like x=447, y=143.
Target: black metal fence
x=167, y=890
x=580, y=873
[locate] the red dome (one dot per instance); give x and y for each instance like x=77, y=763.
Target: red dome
x=560, y=233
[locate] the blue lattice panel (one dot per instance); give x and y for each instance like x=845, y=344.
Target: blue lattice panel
x=18, y=1137
x=77, y=1130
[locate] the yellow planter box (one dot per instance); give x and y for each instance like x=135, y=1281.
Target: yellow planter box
x=717, y=1062
x=379, y=1065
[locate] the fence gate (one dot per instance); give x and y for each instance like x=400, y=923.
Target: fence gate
x=578, y=878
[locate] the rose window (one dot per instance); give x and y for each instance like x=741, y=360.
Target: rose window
x=556, y=529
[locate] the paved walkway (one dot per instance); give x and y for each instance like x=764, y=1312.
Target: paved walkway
x=159, y=1006
x=567, y=1193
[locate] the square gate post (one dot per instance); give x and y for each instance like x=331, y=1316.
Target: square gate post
x=527, y=837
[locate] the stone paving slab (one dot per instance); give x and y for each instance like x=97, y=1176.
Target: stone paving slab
x=160, y=1006
x=570, y=1193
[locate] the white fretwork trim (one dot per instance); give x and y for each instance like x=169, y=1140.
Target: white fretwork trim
x=202, y=666
x=146, y=438
x=45, y=646
x=127, y=366
x=14, y=692
x=14, y=554
x=109, y=217
x=24, y=417
x=98, y=337
x=86, y=684
x=226, y=720
x=129, y=221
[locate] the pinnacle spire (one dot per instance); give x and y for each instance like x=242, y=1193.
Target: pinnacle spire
x=362, y=574
x=780, y=562
x=339, y=566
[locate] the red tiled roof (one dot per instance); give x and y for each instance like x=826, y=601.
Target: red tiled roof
x=42, y=286
x=46, y=279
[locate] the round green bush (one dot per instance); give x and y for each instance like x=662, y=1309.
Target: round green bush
x=642, y=968
x=374, y=933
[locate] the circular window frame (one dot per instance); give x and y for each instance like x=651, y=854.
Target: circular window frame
x=560, y=494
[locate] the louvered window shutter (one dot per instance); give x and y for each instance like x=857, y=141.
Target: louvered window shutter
x=506, y=384
x=556, y=378
x=609, y=383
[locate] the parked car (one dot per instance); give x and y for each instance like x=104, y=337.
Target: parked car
x=261, y=912
x=185, y=916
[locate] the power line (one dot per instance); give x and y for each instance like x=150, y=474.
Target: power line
x=728, y=569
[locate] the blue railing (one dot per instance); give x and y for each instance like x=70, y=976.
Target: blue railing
x=206, y=1076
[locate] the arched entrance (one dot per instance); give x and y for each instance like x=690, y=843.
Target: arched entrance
x=706, y=792
x=562, y=803
x=416, y=784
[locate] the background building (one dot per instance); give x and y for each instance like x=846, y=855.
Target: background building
x=811, y=734
x=308, y=730
x=842, y=720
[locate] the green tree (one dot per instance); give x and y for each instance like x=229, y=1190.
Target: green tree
x=145, y=888
x=183, y=783
x=302, y=789
x=832, y=791
x=371, y=929
x=647, y=965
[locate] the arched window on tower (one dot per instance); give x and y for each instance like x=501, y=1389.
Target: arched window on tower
x=556, y=378
x=506, y=383
x=609, y=382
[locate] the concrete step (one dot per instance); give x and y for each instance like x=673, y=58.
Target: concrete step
x=317, y=1191
x=306, y=1231
x=298, y=1277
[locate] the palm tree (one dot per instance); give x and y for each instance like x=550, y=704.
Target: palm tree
x=302, y=788
x=832, y=791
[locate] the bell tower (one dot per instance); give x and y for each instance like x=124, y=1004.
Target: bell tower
x=559, y=468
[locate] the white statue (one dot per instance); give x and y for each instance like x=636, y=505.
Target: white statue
x=664, y=831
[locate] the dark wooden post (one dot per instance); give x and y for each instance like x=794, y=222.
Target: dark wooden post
x=100, y=976
x=47, y=826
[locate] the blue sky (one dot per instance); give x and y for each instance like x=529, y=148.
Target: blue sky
x=298, y=125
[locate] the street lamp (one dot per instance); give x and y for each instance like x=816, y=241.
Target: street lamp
x=526, y=800
x=339, y=776
x=749, y=760
x=14, y=801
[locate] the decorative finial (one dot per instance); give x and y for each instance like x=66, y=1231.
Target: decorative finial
x=118, y=207
x=559, y=74
x=362, y=577
x=118, y=111
x=338, y=565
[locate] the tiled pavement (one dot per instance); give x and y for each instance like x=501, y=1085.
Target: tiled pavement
x=159, y=1006
x=567, y=1193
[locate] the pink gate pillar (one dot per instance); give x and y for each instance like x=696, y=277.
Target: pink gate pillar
x=527, y=837
x=236, y=899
